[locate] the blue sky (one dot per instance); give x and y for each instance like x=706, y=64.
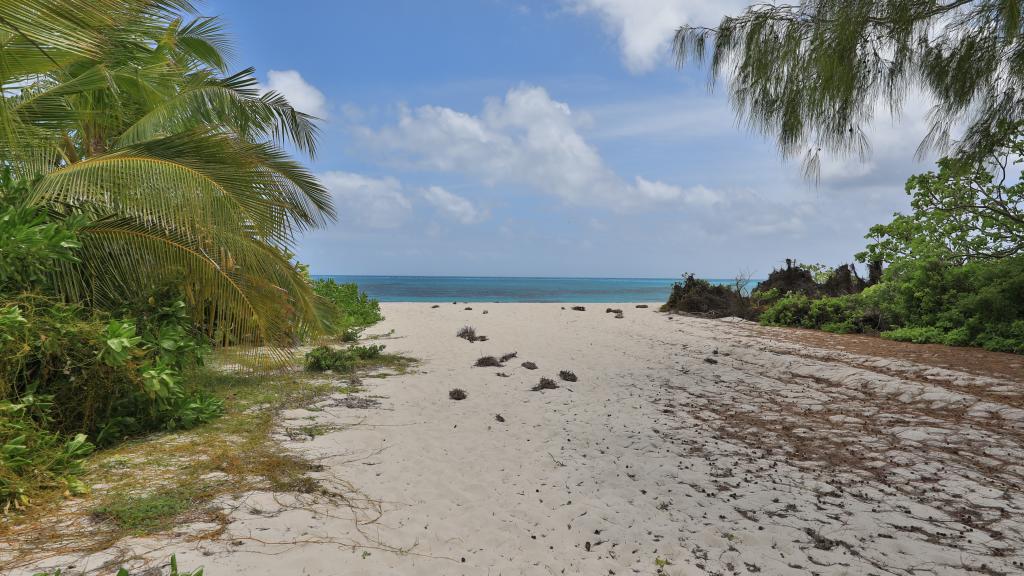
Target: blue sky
x=547, y=138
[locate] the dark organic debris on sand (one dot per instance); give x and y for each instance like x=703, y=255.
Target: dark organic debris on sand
x=567, y=375
x=354, y=402
x=457, y=394
x=619, y=316
x=436, y=306
x=711, y=360
x=468, y=308
x=499, y=417
x=613, y=311
x=509, y=356
x=580, y=308
x=545, y=384
x=484, y=361
x=529, y=365
x=503, y=375
x=641, y=305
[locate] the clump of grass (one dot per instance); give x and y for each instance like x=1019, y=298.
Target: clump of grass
x=146, y=513
x=485, y=361
x=529, y=365
x=509, y=356
x=469, y=334
x=545, y=384
x=580, y=308
x=457, y=394
x=567, y=375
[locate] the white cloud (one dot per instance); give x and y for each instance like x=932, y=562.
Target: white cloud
x=527, y=138
x=453, y=205
x=644, y=28
x=302, y=95
x=367, y=202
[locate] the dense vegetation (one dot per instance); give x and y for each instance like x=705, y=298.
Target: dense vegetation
x=812, y=74
x=147, y=211
x=956, y=273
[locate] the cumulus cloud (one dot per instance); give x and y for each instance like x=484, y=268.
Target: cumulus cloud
x=526, y=138
x=453, y=205
x=302, y=95
x=367, y=202
x=644, y=28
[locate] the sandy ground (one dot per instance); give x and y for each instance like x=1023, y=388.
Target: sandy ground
x=686, y=446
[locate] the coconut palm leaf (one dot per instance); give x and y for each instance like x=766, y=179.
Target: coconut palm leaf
x=121, y=110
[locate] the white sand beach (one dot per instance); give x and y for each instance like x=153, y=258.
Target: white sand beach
x=686, y=447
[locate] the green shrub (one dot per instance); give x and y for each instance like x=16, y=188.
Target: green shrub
x=976, y=304
x=33, y=457
x=347, y=310
x=917, y=335
x=790, y=310
x=105, y=378
x=324, y=358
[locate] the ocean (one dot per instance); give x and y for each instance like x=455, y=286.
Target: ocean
x=502, y=289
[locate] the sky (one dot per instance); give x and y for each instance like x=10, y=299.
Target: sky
x=549, y=138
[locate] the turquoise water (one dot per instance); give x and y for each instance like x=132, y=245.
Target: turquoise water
x=498, y=289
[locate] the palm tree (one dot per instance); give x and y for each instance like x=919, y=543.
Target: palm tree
x=123, y=110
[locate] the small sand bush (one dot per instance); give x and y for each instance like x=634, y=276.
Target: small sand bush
x=457, y=394
x=567, y=375
x=485, y=361
x=469, y=334
x=545, y=384
x=529, y=365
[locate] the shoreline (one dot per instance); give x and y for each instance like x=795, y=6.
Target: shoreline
x=687, y=446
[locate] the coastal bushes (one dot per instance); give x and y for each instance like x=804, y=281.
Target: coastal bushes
x=348, y=310
x=323, y=358
x=144, y=217
x=979, y=303
x=701, y=298
x=956, y=265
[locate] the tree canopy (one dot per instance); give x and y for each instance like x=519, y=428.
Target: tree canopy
x=811, y=74
x=970, y=209
x=124, y=112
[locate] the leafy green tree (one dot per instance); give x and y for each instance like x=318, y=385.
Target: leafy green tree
x=969, y=210
x=123, y=112
x=811, y=73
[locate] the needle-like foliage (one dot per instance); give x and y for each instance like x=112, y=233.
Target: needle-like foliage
x=124, y=111
x=810, y=74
